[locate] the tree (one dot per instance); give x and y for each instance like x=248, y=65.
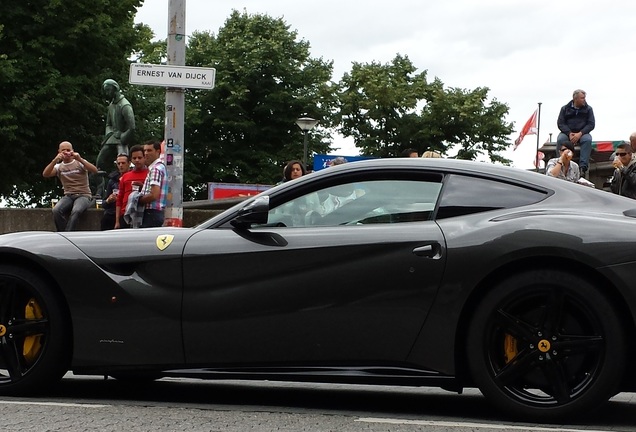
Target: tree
x=387, y=108
x=55, y=55
x=462, y=122
x=378, y=106
x=244, y=129
x=148, y=101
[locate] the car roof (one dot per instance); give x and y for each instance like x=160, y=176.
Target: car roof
x=564, y=194
x=485, y=169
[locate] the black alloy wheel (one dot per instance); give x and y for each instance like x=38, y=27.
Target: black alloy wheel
x=34, y=333
x=545, y=346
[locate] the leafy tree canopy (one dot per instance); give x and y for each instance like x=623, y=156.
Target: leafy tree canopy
x=54, y=56
x=387, y=108
x=244, y=130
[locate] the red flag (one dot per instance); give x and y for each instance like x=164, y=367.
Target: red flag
x=603, y=146
x=530, y=128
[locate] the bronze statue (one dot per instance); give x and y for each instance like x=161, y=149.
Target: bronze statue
x=120, y=126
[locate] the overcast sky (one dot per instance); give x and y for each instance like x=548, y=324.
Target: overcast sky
x=525, y=52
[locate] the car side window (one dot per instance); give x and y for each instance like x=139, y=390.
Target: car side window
x=360, y=203
x=464, y=195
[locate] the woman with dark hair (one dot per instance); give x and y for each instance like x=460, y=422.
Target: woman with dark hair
x=293, y=170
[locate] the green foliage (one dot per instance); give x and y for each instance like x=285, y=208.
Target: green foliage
x=147, y=101
x=54, y=55
x=461, y=121
x=378, y=106
x=388, y=108
x=244, y=130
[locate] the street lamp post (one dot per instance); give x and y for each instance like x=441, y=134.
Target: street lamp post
x=306, y=124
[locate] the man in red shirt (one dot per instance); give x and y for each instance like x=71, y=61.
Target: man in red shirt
x=132, y=179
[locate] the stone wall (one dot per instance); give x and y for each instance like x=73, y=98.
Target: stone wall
x=41, y=219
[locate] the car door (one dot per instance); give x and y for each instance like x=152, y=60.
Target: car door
x=342, y=272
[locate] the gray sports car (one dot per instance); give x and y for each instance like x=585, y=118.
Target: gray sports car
x=424, y=272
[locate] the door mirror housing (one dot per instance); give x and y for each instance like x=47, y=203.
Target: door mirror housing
x=255, y=212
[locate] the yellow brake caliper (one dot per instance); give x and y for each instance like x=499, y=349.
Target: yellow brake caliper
x=510, y=348
x=32, y=345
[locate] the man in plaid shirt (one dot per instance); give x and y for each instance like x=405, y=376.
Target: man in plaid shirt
x=155, y=188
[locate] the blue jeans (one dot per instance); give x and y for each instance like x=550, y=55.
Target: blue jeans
x=67, y=211
x=152, y=218
x=585, y=145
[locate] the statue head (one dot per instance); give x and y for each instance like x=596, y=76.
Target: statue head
x=110, y=88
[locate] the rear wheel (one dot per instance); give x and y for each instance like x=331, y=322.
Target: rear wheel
x=546, y=345
x=34, y=333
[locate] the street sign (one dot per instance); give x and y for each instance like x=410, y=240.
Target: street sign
x=171, y=76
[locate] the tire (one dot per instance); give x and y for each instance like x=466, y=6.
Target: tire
x=35, y=333
x=545, y=346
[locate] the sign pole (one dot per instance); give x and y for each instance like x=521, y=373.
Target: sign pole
x=176, y=77
x=536, y=155
x=174, y=120
x=171, y=76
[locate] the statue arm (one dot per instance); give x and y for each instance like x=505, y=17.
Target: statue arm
x=129, y=119
x=109, y=124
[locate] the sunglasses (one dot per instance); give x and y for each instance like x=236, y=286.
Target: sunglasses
x=564, y=149
x=622, y=154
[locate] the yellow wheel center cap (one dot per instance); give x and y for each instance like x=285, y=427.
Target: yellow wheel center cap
x=544, y=345
x=3, y=330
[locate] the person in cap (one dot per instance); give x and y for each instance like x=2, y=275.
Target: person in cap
x=563, y=166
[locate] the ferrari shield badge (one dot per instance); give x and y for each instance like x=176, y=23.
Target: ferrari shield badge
x=163, y=241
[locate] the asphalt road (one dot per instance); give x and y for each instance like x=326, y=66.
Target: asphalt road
x=83, y=404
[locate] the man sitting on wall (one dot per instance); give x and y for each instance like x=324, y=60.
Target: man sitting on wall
x=576, y=121
x=72, y=171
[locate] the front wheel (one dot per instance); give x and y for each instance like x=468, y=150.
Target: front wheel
x=545, y=346
x=34, y=333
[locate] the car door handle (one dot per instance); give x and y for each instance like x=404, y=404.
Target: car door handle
x=432, y=250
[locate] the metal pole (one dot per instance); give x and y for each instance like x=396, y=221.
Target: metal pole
x=174, y=123
x=306, y=124
x=536, y=155
x=305, y=150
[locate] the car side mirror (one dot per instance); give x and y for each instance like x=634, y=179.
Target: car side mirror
x=254, y=212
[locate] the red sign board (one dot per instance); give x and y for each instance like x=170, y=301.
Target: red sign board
x=234, y=190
